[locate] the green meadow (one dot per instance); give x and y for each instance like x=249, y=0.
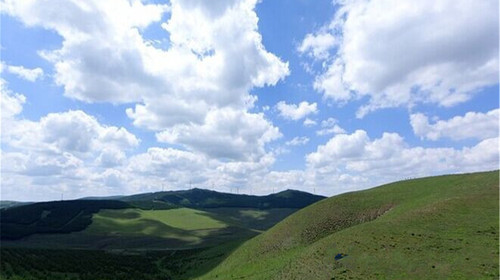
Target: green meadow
x=183, y=223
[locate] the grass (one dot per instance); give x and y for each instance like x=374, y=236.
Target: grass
x=184, y=224
x=51, y=217
x=442, y=227
x=138, y=244
x=145, y=221
x=53, y=264
x=181, y=228
x=251, y=218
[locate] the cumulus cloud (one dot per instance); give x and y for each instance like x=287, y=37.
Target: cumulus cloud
x=225, y=134
x=472, y=125
x=403, y=53
x=213, y=58
x=330, y=126
x=101, y=55
x=11, y=103
x=296, y=112
x=390, y=158
x=172, y=165
x=177, y=169
x=309, y=122
x=73, y=131
x=317, y=45
x=193, y=92
x=25, y=73
x=64, y=151
x=72, y=148
x=297, y=141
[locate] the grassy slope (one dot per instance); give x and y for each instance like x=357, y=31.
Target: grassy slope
x=184, y=224
x=140, y=229
x=431, y=228
x=51, y=217
x=131, y=220
x=161, y=229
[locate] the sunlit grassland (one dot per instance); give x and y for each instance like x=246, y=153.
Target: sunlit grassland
x=443, y=227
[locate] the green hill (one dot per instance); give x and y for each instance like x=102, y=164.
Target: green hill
x=51, y=217
x=145, y=236
x=200, y=198
x=442, y=227
x=175, y=220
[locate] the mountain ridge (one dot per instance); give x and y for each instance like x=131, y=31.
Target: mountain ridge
x=66, y=216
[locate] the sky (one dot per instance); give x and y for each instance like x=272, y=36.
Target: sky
x=126, y=96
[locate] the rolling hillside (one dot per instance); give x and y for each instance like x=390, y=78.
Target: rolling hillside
x=174, y=220
x=146, y=236
x=201, y=198
x=442, y=227
x=51, y=217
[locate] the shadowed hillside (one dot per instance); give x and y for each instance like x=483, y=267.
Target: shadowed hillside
x=200, y=198
x=175, y=219
x=52, y=217
x=146, y=236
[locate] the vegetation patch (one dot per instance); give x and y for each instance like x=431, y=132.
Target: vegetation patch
x=28, y=264
x=51, y=217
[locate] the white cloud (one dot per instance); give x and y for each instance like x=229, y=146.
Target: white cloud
x=72, y=152
x=214, y=57
x=111, y=158
x=330, y=126
x=390, y=158
x=68, y=152
x=296, y=112
x=63, y=152
x=214, y=60
x=167, y=163
x=340, y=146
x=65, y=147
x=309, y=123
x=471, y=125
x=11, y=103
x=317, y=45
x=72, y=131
x=194, y=93
x=297, y=141
x=225, y=133
x=329, y=122
x=403, y=53
x=335, y=129
x=176, y=169
x=25, y=73
x=101, y=58
x=313, y=181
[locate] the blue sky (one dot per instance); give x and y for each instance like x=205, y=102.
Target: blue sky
x=121, y=97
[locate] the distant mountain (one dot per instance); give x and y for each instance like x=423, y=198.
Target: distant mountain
x=114, y=197
x=201, y=198
x=10, y=203
x=75, y=215
x=52, y=217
